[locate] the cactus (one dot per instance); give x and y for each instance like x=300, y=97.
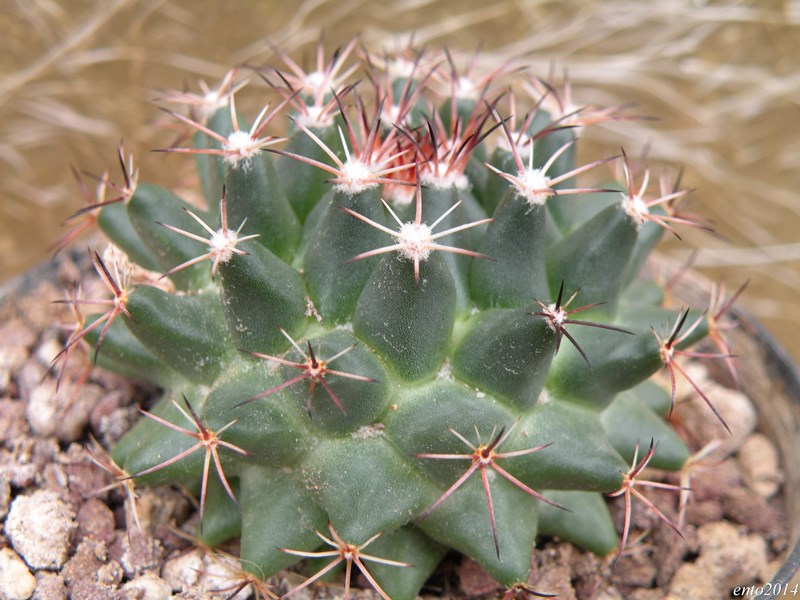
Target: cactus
x=399, y=328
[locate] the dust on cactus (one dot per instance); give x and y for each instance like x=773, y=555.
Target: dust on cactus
x=396, y=324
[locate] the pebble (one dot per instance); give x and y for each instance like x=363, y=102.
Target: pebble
x=760, y=469
x=136, y=552
x=726, y=558
x=147, y=587
x=17, y=468
x=15, y=338
x=72, y=422
x=691, y=581
x=737, y=410
x=754, y=512
x=636, y=570
x=103, y=410
x=39, y=527
x=730, y=555
x=49, y=586
x=43, y=408
x=61, y=412
x=115, y=424
x=183, y=571
x=16, y=581
x=713, y=482
x=82, y=567
x=96, y=520
x=609, y=593
x=219, y=573
x=553, y=571
x=556, y=580
x=29, y=377
x=12, y=421
x=48, y=349
x=110, y=573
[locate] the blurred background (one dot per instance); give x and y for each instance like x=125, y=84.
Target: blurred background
x=723, y=78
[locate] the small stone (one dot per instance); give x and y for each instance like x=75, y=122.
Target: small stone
x=92, y=590
x=589, y=573
x=759, y=461
x=85, y=478
x=609, y=593
x=17, y=468
x=148, y=587
x=218, y=573
x=87, y=573
x=16, y=581
x=136, y=552
x=752, y=511
x=556, y=580
x=83, y=565
x=552, y=570
x=43, y=408
x=13, y=425
x=39, y=527
x=29, y=377
x=47, y=350
x=160, y=508
x=49, y=586
x=53, y=477
x=669, y=552
x=702, y=426
x=110, y=573
x=729, y=556
x=103, y=409
x=183, y=571
x=691, y=581
x=714, y=482
x=634, y=570
x=15, y=339
x=16, y=333
x=96, y=520
x=726, y=558
x=111, y=427
x=63, y=412
x=705, y=511
x=75, y=407
x=44, y=452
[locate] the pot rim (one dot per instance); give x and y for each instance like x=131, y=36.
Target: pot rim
x=781, y=364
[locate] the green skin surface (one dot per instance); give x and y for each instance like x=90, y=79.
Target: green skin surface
x=458, y=352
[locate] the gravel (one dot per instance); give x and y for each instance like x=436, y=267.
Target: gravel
x=39, y=527
x=16, y=581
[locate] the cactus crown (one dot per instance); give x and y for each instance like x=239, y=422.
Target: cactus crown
x=372, y=364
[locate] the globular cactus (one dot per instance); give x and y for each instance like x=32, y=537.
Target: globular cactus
x=416, y=332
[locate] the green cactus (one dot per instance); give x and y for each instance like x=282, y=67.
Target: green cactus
x=374, y=362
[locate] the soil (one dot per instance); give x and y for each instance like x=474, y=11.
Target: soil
x=67, y=532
